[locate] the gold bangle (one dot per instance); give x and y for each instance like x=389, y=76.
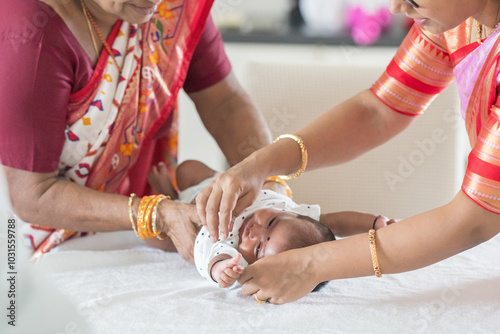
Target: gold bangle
x=279, y=180
x=258, y=300
x=141, y=227
x=153, y=219
x=147, y=216
x=303, y=152
x=131, y=213
x=373, y=251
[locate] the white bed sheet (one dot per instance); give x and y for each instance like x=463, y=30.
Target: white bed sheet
x=119, y=285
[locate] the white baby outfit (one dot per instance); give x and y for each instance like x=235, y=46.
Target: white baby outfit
x=205, y=250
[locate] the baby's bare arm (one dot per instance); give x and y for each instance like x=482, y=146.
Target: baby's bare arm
x=347, y=223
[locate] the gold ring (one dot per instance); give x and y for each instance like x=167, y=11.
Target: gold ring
x=257, y=299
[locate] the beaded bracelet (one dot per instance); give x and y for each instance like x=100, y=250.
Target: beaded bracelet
x=131, y=213
x=303, y=151
x=279, y=180
x=373, y=251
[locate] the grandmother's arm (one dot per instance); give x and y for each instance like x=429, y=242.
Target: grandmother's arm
x=44, y=199
x=232, y=118
x=410, y=244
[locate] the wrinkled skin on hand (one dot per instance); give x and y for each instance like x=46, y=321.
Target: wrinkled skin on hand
x=181, y=223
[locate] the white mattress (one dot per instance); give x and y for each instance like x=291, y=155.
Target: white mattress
x=119, y=285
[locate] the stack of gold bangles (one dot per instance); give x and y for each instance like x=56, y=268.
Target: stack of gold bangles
x=146, y=216
x=373, y=251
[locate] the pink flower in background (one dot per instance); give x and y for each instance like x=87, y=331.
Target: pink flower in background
x=366, y=28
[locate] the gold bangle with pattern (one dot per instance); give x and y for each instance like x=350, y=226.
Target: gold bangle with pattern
x=303, y=152
x=373, y=251
x=131, y=213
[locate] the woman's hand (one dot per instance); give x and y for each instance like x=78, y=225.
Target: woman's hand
x=281, y=278
x=181, y=223
x=228, y=195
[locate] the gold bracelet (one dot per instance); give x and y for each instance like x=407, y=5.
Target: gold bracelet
x=153, y=219
x=147, y=216
x=141, y=223
x=279, y=180
x=131, y=213
x=373, y=251
x=303, y=152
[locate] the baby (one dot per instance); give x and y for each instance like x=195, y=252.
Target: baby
x=274, y=223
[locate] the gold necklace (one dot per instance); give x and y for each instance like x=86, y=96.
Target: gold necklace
x=479, y=32
x=90, y=29
x=91, y=22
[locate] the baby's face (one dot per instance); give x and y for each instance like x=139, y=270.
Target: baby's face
x=267, y=232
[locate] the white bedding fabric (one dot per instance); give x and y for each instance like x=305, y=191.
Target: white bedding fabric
x=119, y=285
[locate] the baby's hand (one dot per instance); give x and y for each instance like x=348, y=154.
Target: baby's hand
x=227, y=272
x=383, y=221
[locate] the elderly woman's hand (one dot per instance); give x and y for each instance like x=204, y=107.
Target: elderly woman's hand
x=228, y=195
x=181, y=223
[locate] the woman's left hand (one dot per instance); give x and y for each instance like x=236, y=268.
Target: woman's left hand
x=180, y=221
x=280, y=278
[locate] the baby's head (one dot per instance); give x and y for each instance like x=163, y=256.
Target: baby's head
x=270, y=231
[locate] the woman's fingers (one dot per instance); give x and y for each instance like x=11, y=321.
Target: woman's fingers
x=249, y=288
x=227, y=204
x=212, y=213
x=224, y=198
x=215, y=205
x=280, y=278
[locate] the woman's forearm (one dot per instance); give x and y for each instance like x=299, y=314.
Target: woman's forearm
x=45, y=200
x=410, y=244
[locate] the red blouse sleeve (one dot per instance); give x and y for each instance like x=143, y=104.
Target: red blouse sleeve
x=482, y=177
x=209, y=64
x=420, y=70
x=36, y=71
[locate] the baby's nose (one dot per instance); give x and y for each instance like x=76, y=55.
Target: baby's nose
x=255, y=231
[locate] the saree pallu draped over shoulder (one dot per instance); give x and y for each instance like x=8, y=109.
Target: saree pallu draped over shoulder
x=477, y=74
x=117, y=115
x=424, y=65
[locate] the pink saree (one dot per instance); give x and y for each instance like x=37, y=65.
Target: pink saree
x=423, y=67
x=110, y=138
